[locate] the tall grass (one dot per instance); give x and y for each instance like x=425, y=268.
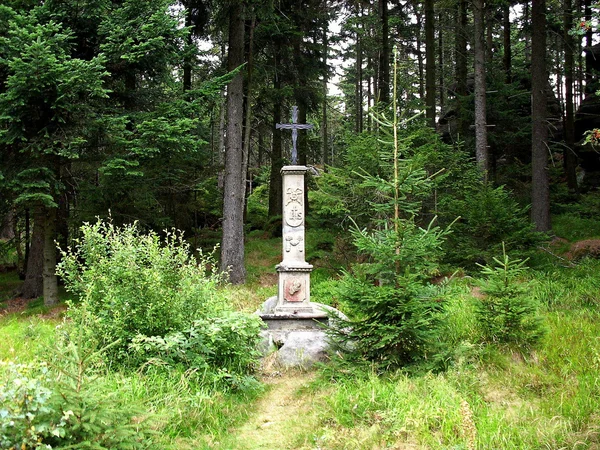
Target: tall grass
x=489, y=397
x=25, y=339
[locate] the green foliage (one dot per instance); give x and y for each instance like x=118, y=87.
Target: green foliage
x=129, y=283
x=95, y=415
x=148, y=301
x=227, y=343
x=508, y=313
x=258, y=207
x=395, y=327
x=489, y=217
x=26, y=413
x=64, y=404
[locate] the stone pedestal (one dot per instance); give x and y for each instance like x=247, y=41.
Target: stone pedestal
x=293, y=295
x=295, y=325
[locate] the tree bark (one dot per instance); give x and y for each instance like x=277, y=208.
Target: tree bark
x=6, y=225
x=384, y=56
x=50, y=282
x=232, y=244
x=419, y=18
x=570, y=158
x=540, y=187
x=187, y=62
x=33, y=286
x=275, y=180
x=481, y=149
x=247, y=132
x=430, y=63
x=526, y=20
x=324, y=133
x=358, y=86
x=461, y=65
x=440, y=67
x=589, y=57
x=507, y=58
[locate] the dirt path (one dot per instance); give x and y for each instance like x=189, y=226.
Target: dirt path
x=283, y=419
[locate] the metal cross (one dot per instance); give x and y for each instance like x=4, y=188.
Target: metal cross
x=294, y=127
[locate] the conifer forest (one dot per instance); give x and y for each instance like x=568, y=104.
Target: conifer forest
x=452, y=214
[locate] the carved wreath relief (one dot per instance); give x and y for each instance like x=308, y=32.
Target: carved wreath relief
x=293, y=207
x=291, y=241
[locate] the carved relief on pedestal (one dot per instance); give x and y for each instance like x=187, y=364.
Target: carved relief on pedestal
x=292, y=241
x=294, y=212
x=294, y=195
x=294, y=290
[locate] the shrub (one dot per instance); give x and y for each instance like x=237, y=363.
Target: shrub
x=488, y=217
x=227, y=343
x=136, y=287
x=63, y=404
x=26, y=413
x=507, y=314
x=388, y=299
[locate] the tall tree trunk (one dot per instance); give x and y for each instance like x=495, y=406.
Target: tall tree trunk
x=419, y=18
x=18, y=241
x=441, y=74
x=570, y=158
x=275, y=181
x=50, y=282
x=430, y=62
x=540, y=187
x=589, y=57
x=222, y=125
x=507, y=58
x=384, y=55
x=481, y=149
x=232, y=244
x=489, y=31
x=526, y=20
x=33, y=286
x=461, y=65
x=358, y=95
x=324, y=133
x=6, y=225
x=248, y=110
x=187, y=62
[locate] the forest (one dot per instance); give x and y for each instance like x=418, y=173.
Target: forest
x=453, y=215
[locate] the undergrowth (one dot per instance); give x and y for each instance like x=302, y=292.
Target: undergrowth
x=489, y=395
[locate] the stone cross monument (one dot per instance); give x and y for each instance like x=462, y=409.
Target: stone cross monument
x=294, y=324
x=293, y=297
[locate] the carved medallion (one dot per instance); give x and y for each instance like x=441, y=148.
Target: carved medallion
x=294, y=215
x=294, y=290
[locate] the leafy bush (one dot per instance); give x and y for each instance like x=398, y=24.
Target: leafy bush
x=507, y=314
x=26, y=413
x=134, y=286
x=63, y=404
x=228, y=343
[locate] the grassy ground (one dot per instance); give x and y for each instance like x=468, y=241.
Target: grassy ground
x=489, y=398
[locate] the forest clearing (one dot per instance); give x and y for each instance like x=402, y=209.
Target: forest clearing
x=429, y=170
